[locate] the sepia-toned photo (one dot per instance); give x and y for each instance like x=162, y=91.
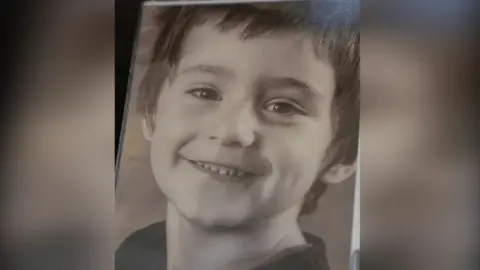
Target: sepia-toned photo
x=240, y=137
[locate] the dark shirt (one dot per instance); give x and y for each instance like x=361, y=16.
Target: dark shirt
x=146, y=249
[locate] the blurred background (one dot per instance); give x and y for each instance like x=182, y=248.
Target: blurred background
x=58, y=144
x=419, y=182
x=418, y=132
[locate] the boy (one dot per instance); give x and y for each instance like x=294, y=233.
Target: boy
x=250, y=112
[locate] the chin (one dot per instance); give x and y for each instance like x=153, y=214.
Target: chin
x=217, y=222
x=229, y=217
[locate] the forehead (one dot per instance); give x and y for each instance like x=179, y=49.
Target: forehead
x=286, y=54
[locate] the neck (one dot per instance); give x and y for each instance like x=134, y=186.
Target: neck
x=193, y=246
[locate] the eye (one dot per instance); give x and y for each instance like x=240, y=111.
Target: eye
x=284, y=107
x=205, y=93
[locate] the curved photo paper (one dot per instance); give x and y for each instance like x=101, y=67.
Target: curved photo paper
x=240, y=141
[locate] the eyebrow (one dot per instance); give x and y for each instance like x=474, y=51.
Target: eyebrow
x=209, y=69
x=289, y=82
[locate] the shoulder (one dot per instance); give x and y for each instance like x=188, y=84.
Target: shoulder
x=308, y=257
x=145, y=249
x=315, y=242
x=317, y=254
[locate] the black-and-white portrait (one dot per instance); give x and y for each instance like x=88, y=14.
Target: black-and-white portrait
x=240, y=141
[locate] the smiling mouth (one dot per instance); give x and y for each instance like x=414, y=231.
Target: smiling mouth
x=221, y=170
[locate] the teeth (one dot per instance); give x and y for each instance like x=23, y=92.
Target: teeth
x=221, y=169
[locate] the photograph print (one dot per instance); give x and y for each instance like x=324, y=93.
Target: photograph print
x=240, y=138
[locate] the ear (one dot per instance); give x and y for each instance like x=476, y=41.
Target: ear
x=339, y=173
x=147, y=129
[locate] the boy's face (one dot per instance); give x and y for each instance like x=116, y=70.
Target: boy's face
x=242, y=126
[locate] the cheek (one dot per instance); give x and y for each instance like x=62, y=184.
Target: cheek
x=307, y=143
x=173, y=121
x=297, y=152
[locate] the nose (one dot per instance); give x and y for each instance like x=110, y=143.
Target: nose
x=237, y=129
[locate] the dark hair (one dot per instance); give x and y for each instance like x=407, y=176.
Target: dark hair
x=340, y=43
